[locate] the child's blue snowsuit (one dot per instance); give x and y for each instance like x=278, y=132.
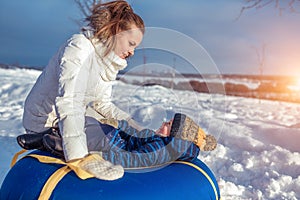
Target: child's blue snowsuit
x=131, y=149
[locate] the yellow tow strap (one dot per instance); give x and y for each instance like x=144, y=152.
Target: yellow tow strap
x=52, y=182
x=204, y=173
x=54, y=179
x=15, y=158
x=59, y=174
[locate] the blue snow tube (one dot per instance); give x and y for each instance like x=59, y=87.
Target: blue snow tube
x=179, y=180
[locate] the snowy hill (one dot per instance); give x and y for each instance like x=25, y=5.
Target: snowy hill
x=258, y=156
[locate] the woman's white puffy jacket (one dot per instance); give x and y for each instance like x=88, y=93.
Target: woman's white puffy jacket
x=76, y=77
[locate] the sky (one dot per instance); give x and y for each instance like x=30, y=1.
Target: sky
x=32, y=31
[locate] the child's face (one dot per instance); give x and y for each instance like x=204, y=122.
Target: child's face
x=165, y=128
x=127, y=41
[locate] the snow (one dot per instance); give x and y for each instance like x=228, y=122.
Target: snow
x=258, y=153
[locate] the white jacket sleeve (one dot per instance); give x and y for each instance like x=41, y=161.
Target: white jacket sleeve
x=105, y=107
x=73, y=77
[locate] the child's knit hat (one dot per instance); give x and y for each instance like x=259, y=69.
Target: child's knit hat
x=185, y=128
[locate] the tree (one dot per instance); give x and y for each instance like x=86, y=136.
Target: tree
x=261, y=58
x=282, y=5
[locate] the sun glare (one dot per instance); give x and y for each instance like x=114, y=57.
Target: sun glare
x=298, y=83
x=295, y=85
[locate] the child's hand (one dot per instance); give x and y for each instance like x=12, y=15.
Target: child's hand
x=162, y=134
x=109, y=121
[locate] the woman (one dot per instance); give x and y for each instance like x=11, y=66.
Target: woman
x=79, y=77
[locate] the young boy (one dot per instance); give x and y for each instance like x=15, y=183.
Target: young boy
x=179, y=139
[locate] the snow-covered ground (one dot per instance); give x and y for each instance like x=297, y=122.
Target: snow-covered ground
x=258, y=156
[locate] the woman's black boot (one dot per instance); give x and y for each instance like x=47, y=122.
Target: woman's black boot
x=31, y=141
x=53, y=144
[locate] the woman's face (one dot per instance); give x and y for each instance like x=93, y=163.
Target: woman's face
x=127, y=41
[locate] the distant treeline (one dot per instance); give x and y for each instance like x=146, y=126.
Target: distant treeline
x=271, y=88
x=281, y=78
